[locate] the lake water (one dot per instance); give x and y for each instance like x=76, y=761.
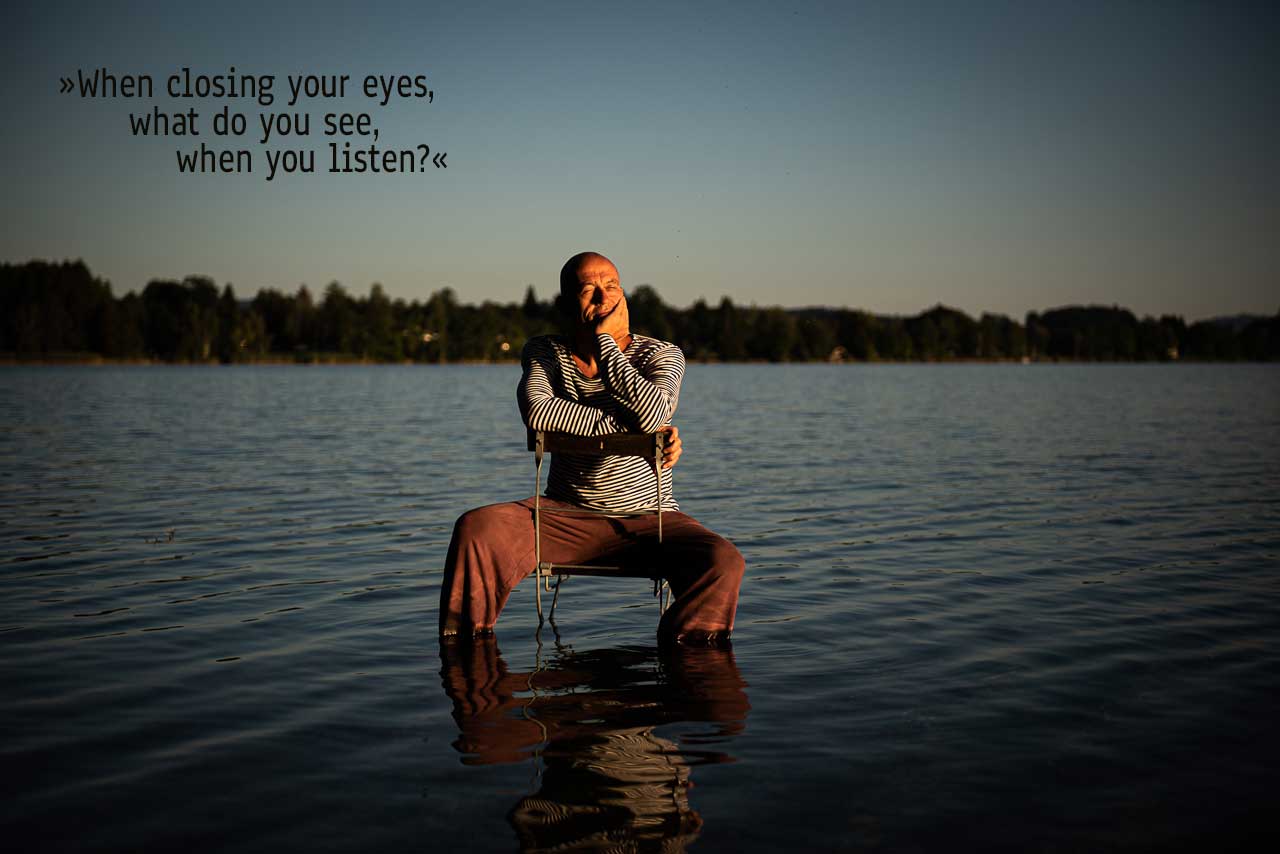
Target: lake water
x=986, y=607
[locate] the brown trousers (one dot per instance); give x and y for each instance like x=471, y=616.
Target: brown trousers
x=493, y=549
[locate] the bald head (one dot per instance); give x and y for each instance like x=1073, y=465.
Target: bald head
x=590, y=289
x=569, y=279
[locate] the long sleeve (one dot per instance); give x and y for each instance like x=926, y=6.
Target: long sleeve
x=542, y=409
x=650, y=398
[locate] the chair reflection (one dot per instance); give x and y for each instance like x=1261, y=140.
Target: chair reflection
x=586, y=722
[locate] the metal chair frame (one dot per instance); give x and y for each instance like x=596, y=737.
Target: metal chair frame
x=542, y=442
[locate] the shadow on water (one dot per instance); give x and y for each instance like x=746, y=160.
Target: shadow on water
x=586, y=723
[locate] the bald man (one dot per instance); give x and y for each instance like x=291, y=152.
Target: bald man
x=600, y=379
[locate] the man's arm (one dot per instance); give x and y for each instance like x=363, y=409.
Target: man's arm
x=650, y=398
x=542, y=409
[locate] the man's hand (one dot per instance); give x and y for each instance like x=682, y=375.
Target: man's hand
x=617, y=323
x=673, y=448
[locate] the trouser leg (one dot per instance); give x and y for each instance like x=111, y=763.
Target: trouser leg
x=705, y=571
x=491, y=551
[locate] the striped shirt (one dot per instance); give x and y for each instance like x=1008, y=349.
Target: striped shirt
x=635, y=391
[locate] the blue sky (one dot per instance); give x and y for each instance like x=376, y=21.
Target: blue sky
x=889, y=156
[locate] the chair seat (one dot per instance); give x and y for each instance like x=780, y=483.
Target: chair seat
x=597, y=571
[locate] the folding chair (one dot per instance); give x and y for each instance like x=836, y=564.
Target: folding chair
x=615, y=444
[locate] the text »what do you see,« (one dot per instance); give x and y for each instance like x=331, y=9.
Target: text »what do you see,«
x=270, y=125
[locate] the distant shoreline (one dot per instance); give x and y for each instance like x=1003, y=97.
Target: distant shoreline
x=63, y=314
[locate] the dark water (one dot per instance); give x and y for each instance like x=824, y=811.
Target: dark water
x=986, y=607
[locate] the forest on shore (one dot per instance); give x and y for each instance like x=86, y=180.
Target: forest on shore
x=62, y=312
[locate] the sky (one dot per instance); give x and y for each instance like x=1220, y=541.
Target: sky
x=989, y=156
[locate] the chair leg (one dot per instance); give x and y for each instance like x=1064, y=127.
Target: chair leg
x=555, y=598
x=537, y=529
x=538, y=592
x=662, y=592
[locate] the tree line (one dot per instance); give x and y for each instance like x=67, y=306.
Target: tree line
x=62, y=311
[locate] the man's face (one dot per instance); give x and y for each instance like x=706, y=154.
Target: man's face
x=599, y=290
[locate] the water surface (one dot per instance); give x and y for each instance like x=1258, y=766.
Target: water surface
x=986, y=606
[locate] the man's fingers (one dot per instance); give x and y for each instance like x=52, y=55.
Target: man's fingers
x=671, y=453
x=673, y=447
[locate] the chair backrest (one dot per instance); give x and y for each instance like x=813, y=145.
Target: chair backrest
x=613, y=444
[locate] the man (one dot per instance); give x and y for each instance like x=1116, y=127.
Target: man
x=600, y=379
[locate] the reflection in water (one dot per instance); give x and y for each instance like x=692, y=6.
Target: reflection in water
x=586, y=721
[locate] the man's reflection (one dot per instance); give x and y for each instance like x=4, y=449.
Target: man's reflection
x=586, y=721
